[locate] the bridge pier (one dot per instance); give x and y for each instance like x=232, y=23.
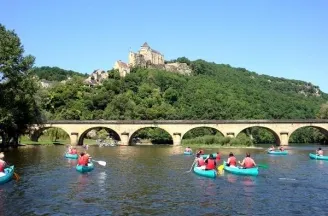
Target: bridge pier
x=176, y=138
x=231, y=134
x=125, y=138
x=74, y=138
x=284, y=137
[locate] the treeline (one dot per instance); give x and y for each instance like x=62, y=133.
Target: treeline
x=55, y=73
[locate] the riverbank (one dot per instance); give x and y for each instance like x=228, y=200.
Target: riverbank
x=44, y=140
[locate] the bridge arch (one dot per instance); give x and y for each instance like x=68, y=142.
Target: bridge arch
x=197, y=127
x=273, y=132
x=166, y=135
x=111, y=132
x=36, y=133
x=321, y=130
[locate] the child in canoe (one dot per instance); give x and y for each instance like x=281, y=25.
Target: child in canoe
x=232, y=161
x=188, y=149
x=3, y=164
x=319, y=152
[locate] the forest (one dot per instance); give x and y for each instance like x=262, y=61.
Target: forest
x=212, y=91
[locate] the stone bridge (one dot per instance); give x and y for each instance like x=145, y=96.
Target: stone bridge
x=125, y=129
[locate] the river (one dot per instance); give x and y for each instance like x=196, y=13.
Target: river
x=152, y=180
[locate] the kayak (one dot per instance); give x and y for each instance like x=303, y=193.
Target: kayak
x=205, y=173
x=9, y=175
x=83, y=169
x=72, y=156
x=285, y=152
x=241, y=171
x=317, y=157
x=187, y=153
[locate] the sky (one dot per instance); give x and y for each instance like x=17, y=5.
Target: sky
x=275, y=37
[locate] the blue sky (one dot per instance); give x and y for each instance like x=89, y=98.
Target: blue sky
x=274, y=37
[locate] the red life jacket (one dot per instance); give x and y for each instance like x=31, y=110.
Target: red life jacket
x=218, y=157
x=84, y=160
x=248, y=162
x=201, y=161
x=74, y=151
x=233, y=161
x=2, y=166
x=210, y=164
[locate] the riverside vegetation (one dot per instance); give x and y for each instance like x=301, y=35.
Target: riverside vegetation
x=212, y=91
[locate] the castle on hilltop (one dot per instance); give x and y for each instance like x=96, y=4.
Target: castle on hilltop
x=149, y=58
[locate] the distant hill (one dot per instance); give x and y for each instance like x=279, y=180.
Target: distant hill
x=55, y=73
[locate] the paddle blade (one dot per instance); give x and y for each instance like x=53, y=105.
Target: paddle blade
x=102, y=163
x=16, y=176
x=264, y=166
x=220, y=168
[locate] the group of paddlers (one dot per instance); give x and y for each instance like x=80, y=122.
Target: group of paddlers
x=84, y=157
x=211, y=162
x=272, y=148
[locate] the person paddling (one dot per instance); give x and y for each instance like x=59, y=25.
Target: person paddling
x=210, y=163
x=281, y=148
x=232, y=161
x=200, y=151
x=3, y=164
x=83, y=159
x=248, y=162
x=188, y=149
x=271, y=148
x=199, y=160
x=218, y=157
x=319, y=152
x=73, y=151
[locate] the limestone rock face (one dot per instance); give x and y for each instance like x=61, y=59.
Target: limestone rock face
x=177, y=67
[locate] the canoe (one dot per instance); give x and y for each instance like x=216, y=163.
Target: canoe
x=241, y=171
x=9, y=175
x=285, y=152
x=205, y=173
x=72, y=156
x=83, y=169
x=317, y=157
x=187, y=153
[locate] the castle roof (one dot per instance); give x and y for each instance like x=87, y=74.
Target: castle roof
x=122, y=64
x=145, y=45
x=155, y=51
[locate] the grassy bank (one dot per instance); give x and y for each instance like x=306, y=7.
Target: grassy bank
x=219, y=141
x=45, y=140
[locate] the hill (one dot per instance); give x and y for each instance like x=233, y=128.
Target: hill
x=213, y=91
x=54, y=73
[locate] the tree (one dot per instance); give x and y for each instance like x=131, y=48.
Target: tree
x=18, y=108
x=323, y=112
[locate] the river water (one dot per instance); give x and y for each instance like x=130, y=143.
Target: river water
x=152, y=180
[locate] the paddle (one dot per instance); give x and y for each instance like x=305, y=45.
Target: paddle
x=16, y=176
x=264, y=166
x=191, y=167
x=220, y=168
x=102, y=163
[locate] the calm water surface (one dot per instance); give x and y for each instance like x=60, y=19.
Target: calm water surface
x=152, y=180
